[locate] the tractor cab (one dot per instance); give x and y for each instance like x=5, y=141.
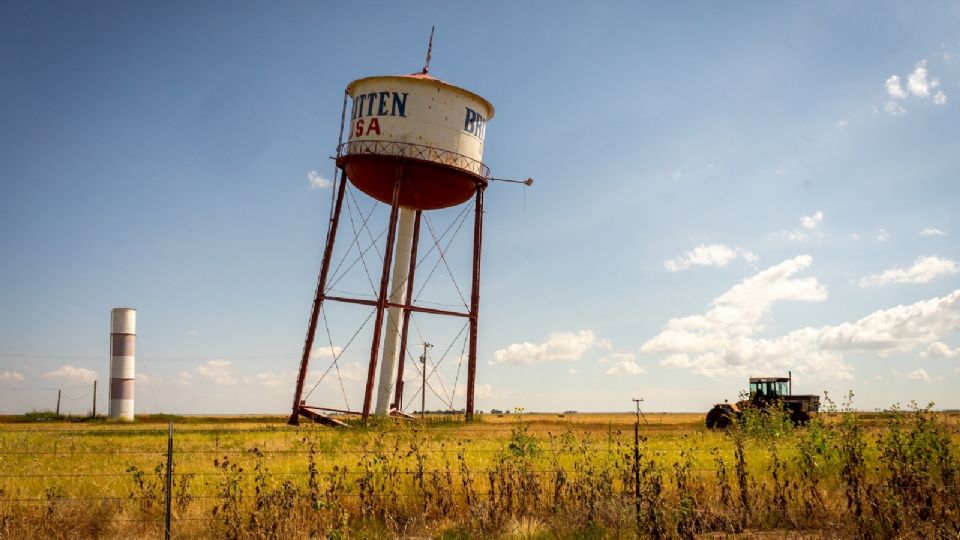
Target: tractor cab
x=764, y=390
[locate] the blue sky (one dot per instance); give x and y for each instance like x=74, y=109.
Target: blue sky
x=722, y=190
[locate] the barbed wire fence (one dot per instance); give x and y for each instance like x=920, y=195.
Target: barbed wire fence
x=74, y=477
x=51, y=492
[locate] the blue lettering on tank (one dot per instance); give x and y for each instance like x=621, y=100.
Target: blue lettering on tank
x=399, y=105
x=473, y=123
x=358, y=106
x=383, y=103
x=382, y=106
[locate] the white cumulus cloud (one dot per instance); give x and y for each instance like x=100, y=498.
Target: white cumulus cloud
x=618, y=356
x=919, y=84
x=353, y=371
x=917, y=81
x=723, y=342
x=219, y=371
x=10, y=376
x=71, y=373
x=808, y=225
x=882, y=235
x=894, y=89
x=921, y=375
x=623, y=364
x=932, y=231
x=749, y=256
x=317, y=181
x=272, y=380
x=702, y=255
x=325, y=352
x=626, y=368
x=480, y=391
x=896, y=329
x=939, y=349
x=893, y=108
x=924, y=270
x=558, y=347
x=811, y=222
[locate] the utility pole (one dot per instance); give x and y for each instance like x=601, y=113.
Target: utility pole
x=639, y=412
x=94, y=399
x=58, y=402
x=423, y=387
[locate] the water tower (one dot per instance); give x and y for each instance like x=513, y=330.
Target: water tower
x=123, y=346
x=416, y=144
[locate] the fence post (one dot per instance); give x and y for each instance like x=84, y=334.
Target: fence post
x=166, y=529
x=636, y=477
x=636, y=467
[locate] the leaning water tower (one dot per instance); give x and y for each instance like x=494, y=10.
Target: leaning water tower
x=415, y=143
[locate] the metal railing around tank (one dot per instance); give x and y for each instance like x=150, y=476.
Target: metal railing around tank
x=414, y=151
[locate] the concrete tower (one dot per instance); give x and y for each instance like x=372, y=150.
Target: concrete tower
x=123, y=342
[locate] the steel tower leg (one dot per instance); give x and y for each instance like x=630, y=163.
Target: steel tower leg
x=475, y=300
x=384, y=290
x=318, y=299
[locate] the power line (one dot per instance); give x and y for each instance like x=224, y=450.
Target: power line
x=49, y=356
x=48, y=389
x=165, y=357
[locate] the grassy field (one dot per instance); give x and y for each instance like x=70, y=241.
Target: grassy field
x=516, y=476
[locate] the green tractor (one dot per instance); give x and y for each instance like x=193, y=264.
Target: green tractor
x=766, y=392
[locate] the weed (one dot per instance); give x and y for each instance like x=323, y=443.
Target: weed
x=230, y=498
x=148, y=488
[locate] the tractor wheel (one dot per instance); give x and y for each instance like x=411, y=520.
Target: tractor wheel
x=799, y=418
x=718, y=418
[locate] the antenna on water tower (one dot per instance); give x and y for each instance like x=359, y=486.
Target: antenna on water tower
x=426, y=65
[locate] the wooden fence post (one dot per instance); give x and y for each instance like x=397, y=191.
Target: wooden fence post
x=166, y=529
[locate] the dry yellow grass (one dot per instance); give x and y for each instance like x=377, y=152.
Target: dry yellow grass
x=511, y=476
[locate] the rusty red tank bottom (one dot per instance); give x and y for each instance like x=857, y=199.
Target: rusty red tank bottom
x=425, y=185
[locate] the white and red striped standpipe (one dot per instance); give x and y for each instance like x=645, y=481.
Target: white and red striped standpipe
x=123, y=344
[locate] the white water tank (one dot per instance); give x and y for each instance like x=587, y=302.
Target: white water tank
x=435, y=129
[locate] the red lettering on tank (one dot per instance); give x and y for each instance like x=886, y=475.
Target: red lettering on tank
x=374, y=126
x=358, y=130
